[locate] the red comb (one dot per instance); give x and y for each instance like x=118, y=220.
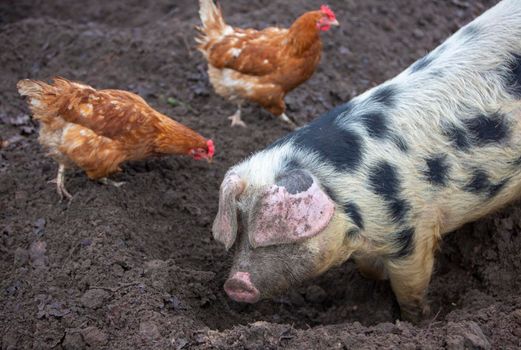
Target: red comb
x=327, y=11
x=211, y=148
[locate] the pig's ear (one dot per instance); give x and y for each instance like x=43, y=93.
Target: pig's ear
x=225, y=224
x=293, y=209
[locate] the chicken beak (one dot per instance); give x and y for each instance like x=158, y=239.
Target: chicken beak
x=334, y=23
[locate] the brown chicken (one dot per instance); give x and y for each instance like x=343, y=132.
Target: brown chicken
x=97, y=130
x=261, y=66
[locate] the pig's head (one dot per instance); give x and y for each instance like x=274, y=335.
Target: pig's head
x=284, y=233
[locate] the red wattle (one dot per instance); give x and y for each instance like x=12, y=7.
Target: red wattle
x=211, y=148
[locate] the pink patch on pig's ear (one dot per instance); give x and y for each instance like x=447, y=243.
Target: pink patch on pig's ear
x=283, y=217
x=225, y=224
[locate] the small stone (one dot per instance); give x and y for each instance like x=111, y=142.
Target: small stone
x=153, y=266
x=94, y=337
x=475, y=338
x=21, y=257
x=173, y=303
x=39, y=227
x=73, y=341
x=86, y=242
x=118, y=270
x=179, y=343
x=344, y=50
x=466, y=336
x=418, y=33
x=455, y=343
x=315, y=294
x=149, y=330
x=14, y=288
x=57, y=309
x=94, y=298
x=37, y=253
x=386, y=327
x=200, y=338
x=517, y=315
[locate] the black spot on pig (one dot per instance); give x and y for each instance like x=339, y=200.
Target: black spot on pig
x=427, y=60
x=495, y=189
x=385, y=95
x=295, y=181
x=404, y=242
x=516, y=162
x=400, y=143
x=353, y=212
x=385, y=182
x=437, y=171
x=292, y=164
x=376, y=124
x=513, y=80
x=398, y=208
x=338, y=111
x=480, y=184
x=422, y=63
x=330, y=192
x=458, y=137
x=485, y=130
x=335, y=144
x=353, y=233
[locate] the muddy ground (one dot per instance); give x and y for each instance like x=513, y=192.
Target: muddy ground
x=136, y=267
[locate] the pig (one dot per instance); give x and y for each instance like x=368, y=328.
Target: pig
x=382, y=178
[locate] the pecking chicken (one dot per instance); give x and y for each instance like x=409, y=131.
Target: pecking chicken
x=261, y=66
x=97, y=130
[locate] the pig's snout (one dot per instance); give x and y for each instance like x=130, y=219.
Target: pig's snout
x=240, y=288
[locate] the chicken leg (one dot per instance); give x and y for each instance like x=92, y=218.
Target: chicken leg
x=60, y=183
x=236, y=118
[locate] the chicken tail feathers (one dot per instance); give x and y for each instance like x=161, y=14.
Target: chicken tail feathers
x=31, y=88
x=213, y=22
x=43, y=98
x=37, y=92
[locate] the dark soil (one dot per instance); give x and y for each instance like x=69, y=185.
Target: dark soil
x=136, y=267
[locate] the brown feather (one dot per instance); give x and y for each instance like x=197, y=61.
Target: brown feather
x=261, y=66
x=97, y=130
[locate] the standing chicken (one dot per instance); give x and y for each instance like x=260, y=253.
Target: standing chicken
x=97, y=130
x=261, y=66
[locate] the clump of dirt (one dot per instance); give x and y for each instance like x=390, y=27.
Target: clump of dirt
x=136, y=267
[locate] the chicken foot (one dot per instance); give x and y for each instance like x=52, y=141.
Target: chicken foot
x=236, y=118
x=60, y=183
x=288, y=121
x=106, y=181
